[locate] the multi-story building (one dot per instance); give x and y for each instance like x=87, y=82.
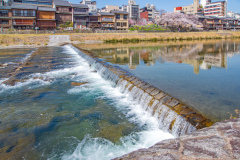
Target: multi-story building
x=63, y=12
x=178, y=9
x=41, y=3
x=221, y=23
x=144, y=15
x=216, y=9
x=233, y=15
x=191, y=9
x=5, y=17
x=133, y=9
x=204, y=2
x=151, y=10
x=109, y=8
x=46, y=18
x=23, y=16
x=80, y=15
x=121, y=20
x=107, y=20
x=92, y=5
x=94, y=21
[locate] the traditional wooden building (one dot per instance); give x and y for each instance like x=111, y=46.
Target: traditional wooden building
x=94, y=21
x=5, y=17
x=63, y=12
x=80, y=15
x=23, y=16
x=107, y=20
x=121, y=20
x=46, y=18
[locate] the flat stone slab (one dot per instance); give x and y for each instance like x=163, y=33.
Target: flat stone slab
x=154, y=92
x=205, y=144
x=172, y=103
x=159, y=95
x=149, y=89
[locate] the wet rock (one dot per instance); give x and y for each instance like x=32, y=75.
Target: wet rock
x=5, y=64
x=78, y=83
x=203, y=144
x=159, y=95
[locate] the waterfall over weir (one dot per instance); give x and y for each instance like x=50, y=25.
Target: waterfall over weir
x=173, y=116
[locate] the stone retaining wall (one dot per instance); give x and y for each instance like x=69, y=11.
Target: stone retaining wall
x=220, y=141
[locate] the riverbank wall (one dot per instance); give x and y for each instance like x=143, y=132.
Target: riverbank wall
x=173, y=116
x=36, y=40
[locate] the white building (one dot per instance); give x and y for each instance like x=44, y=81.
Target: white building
x=233, y=15
x=109, y=8
x=92, y=5
x=204, y=2
x=133, y=9
x=218, y=9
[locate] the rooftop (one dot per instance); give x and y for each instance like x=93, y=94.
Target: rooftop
x=61, y=3
x=79, y=6
x=24, y=6
x=106, y=14
x=120, y=12
x=46, y=9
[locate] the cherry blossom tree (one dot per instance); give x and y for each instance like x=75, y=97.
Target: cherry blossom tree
x=178, y=20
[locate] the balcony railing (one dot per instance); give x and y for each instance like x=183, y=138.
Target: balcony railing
x=81, y=20
x=47, y=17
x=108, y=25
x=46, y=24
x=3, y=15
x=23, y=23
x=78, y=12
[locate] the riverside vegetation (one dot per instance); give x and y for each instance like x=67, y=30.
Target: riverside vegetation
x=43, y=39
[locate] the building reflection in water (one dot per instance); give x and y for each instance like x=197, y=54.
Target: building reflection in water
x=200, y=56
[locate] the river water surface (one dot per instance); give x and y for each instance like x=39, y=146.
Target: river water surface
x=42, y=116
x=204, y=75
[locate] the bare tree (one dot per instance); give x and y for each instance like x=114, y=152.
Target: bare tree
x=206, y=26
x=162, y=11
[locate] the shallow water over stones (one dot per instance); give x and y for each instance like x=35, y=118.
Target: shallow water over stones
x=44, y=117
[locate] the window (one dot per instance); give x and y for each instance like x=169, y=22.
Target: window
x=117, y=16
x=4, y=22
x=125, y=16
x=124, y=24
x=118, y=24
x=4, y=13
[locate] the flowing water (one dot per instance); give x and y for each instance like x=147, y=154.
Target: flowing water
x=43, y=116
x=204, y=75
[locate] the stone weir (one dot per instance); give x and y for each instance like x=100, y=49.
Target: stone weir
x=173, y=116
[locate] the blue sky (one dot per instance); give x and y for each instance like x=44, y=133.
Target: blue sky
x=168, y=5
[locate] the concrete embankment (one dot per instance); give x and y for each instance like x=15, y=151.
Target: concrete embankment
x=220, y=141
x=172, y=115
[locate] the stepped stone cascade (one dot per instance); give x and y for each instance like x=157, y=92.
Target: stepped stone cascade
x=173, y=116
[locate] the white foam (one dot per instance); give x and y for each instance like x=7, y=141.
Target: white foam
x=98, y=148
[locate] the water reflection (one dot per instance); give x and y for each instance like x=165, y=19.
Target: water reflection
x=199, y=55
